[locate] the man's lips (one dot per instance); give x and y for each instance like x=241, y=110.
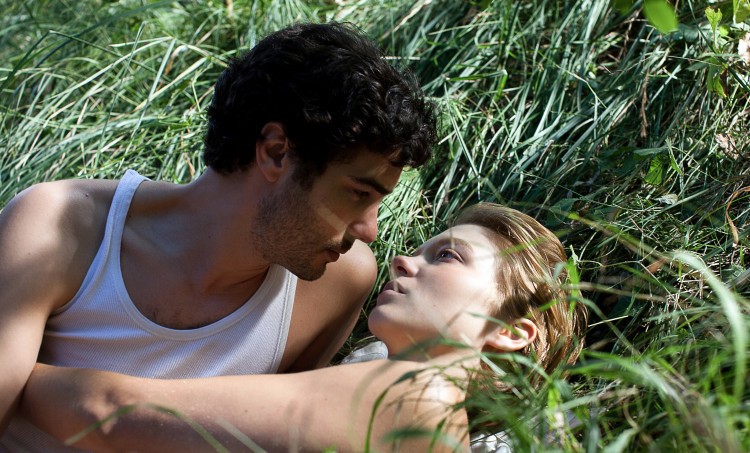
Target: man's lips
x=335, y=251
x=333, y=255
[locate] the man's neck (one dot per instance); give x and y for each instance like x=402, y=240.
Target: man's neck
x=205, y=226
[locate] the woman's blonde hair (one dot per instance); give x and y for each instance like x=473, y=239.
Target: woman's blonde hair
x=530, y=277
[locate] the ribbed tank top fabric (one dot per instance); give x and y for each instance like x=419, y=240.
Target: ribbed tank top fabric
x=102, y=328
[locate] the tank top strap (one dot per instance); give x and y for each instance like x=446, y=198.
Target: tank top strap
x=109, y=247
x=118, y=211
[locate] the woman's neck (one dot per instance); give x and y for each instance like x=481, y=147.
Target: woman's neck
x=436, y=352
x=454, y=363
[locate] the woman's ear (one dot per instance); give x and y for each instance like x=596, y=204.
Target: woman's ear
x=512, y=337
x=272, y=151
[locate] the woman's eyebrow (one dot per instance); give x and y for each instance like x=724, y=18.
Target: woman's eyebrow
x=451, y=240
x=460, y=243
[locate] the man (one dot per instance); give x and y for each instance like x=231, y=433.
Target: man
x=306, y=134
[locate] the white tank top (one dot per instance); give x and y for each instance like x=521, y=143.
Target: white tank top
x=102, y=328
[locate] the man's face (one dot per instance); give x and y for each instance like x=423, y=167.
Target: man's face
x=305, y=229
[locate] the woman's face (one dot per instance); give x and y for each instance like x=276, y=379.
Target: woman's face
x=445, y=290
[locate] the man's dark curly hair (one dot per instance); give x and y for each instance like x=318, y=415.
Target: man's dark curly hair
x=332, y=90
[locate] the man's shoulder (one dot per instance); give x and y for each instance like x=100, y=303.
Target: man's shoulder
x=57, y=222
x=66, y=191
x=67, y=204
x=355, y=271
x=50, y=232
x=345, y=284
x=359, y=255
x=325, y=310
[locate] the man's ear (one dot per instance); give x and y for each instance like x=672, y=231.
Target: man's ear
x=512, y=337
x=272, y=151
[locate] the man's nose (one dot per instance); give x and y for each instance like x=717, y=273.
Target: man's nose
x=365, y=228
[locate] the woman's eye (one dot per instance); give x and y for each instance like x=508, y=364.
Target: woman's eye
x=447, y=255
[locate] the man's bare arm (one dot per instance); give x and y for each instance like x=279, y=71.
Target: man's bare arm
x=39, y=271
x=310, y=411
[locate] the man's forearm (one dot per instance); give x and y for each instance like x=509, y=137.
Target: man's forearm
x=53, y=402
x=313, y=410
x=8, y=406
x=12, y=383
x=106, y=412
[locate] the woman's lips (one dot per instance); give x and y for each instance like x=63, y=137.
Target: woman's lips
x=392, y=286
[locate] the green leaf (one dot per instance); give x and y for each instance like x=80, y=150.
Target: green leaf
x=644, y=153
x=655, y=174
x=502, y=79
x=673, y=164
x=661, y=15
x=622, y=443
x=713, y=79
x=714, y=17
x=559, y=211
x=741, y=10
x=623, y=6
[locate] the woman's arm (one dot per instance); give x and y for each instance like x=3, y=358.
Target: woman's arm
x=330, y=407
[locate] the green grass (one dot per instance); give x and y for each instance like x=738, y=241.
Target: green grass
x=608, y=131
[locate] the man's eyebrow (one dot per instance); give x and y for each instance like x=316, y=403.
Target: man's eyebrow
x=373, y=183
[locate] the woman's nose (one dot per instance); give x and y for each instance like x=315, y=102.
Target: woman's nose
x=403, y=266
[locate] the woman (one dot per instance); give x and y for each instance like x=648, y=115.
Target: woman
x=489, y=283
